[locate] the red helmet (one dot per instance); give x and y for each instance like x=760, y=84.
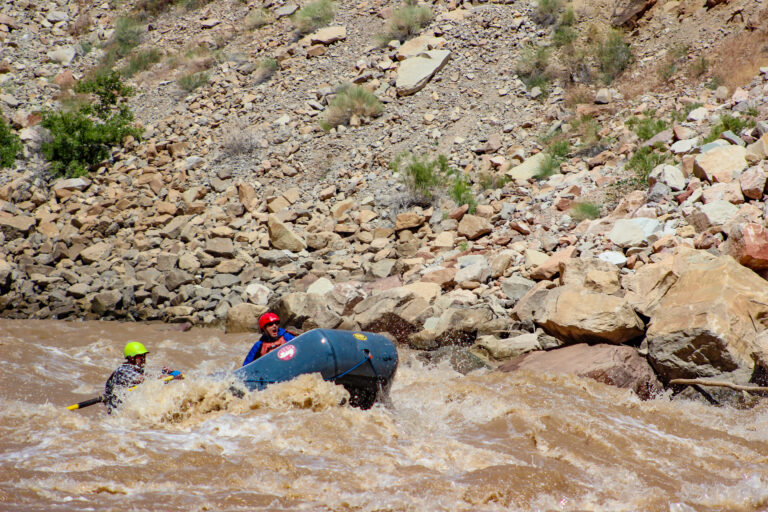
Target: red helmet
x=267, y=318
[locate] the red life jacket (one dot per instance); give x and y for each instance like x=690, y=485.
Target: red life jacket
x=272, y=345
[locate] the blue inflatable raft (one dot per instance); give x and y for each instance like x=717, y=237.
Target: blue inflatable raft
x=363, y=362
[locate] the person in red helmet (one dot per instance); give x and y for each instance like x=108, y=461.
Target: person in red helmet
x=272, y=336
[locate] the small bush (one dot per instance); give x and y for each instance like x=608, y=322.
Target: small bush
x=81, y=139
x=265, y=68
x=700, y=66
x=419, y=174
x=351, y=100
x=585, y=210
x=546, y=12
x=461, y=192
x=240, y=140
x=564, y=36
x=587, y=128
x=405, y=23
x=141, y=61
x=490, y=180
x=726, y=123
x=646, y=127
x=313, y=16
x=614, y=56
x=559, y=148
x=10, y=145
x=191, y=5
x=715, y=82
x=144, y=8
x=567, y=18
x=532, y=66
x=126, y=37
x=682, y=115
x=257, y=19
x=549, y=165
x=643, y=162
x=192, y=81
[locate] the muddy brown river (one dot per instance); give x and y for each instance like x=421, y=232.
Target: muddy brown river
x=446, y=442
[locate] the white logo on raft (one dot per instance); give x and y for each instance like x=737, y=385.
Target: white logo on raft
x=286, y=353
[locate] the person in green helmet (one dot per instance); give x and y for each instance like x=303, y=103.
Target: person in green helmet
x=130, y=373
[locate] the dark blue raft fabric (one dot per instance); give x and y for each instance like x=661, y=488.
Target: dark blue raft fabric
x=363, y=362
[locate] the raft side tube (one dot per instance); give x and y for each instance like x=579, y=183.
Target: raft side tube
x=363, y=362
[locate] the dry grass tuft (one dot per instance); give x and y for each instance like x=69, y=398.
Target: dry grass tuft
x=738, y=59
x=240, y=140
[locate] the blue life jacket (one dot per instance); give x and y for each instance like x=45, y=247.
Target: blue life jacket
x=283, y=337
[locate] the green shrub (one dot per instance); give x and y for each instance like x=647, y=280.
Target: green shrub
x=192, y=81
x=563, y=36
x=681, y=115
x=700, y=66
x=643, y=162
x=313, y=16
x=265, y=68
x=490, y=180
x=126, y=37
x=726, y=123
x=532, y=66
x=646, y=127
x=559, y=148
x=546, y=12
x=420, y=174
x=145, y=8
x=585, y=210
x=10, y=145
x=567, y=18
x=549, y=165
x=350, y=100
x=614, y=56
x=461, y=192
x=405, y=23
x=587, y=128
x=81, y=139
x=191, y=5
x=257, y=19
x=141, y=61
x=715, y=82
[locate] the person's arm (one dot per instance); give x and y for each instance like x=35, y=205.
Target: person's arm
x=288, y=336
x=253, y=354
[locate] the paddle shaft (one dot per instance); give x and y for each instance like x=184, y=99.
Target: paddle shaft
x=86, y=403
x=100, y=399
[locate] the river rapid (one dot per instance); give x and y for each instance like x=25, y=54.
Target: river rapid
x=446, y=442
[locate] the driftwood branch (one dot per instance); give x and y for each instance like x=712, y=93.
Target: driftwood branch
x=720, y=384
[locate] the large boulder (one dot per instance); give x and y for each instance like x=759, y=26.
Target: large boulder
x=748, y=244
x=378, y=313
x=473, y=227
x=415, y=72
x=283, y=237
x=575, y=315
x=619, y=366
x=722, y=164
x=306, y=311
x=705, y=313
x=244, y=317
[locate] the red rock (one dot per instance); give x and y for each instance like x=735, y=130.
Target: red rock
x=748, y=244
x=459, y=212
x=619, y=366
x=752, y=183
x=65, y=79
x=564, y=204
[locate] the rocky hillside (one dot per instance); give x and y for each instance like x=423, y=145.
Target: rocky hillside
x=561, y=211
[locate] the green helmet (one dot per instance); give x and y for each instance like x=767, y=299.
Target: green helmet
x=134, y=348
